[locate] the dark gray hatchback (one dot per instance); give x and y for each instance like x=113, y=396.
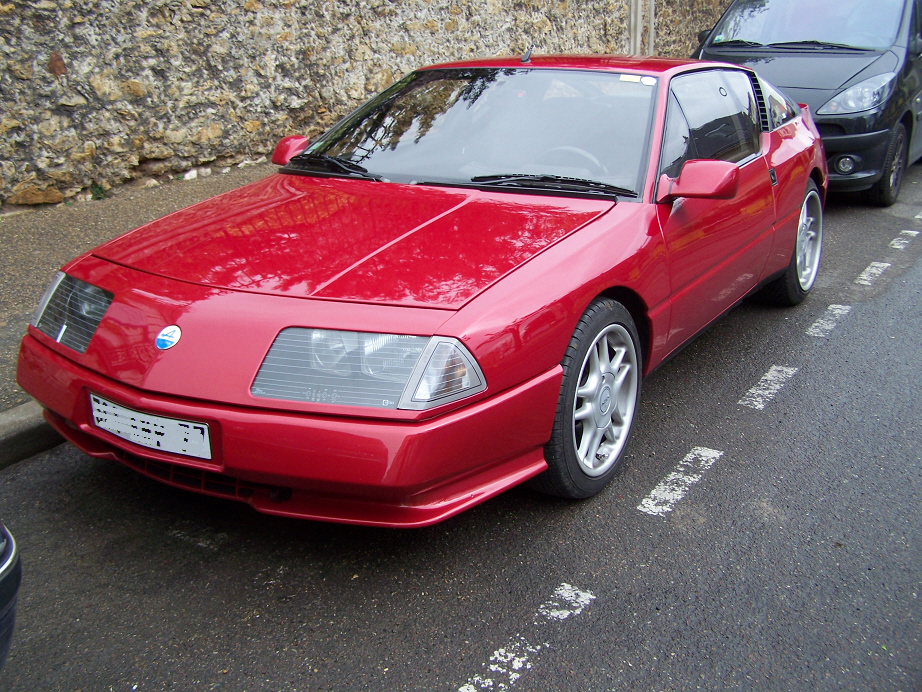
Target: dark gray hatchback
x=856, y=63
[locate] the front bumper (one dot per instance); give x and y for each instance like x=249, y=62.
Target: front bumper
x=868, y=149
x=360, y=471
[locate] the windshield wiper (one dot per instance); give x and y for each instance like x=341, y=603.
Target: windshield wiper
x=552, y=182
x=737, y=42
x=335, y=163
x=819, y=45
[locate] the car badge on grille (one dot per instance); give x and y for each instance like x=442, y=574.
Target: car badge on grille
x=168, y=337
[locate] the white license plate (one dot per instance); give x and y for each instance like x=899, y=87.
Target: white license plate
x=155, y=432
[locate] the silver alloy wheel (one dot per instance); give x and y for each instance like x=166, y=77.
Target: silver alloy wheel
x=605, y=400
x=809, y=240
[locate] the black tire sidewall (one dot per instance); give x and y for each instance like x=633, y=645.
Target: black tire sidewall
x=796, y=293
x=882, y=193
x=563, y=462
x=786, y=289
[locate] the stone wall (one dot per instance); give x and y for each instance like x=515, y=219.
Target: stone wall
x=97, y=92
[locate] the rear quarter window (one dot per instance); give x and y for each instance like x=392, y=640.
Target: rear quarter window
x=780, y=108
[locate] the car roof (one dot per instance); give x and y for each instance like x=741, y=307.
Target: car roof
x=639, y=64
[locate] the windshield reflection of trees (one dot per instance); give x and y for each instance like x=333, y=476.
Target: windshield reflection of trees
x=452, y=125
x=415, y=107
x=855, y=23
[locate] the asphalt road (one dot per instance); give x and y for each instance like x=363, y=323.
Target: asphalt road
x=772, y=548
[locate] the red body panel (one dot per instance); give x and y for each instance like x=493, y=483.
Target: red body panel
x=357, y=240
x=716, y=250
x=792, y=151
x=336, y=461
x=508, y=274
x=226, y=334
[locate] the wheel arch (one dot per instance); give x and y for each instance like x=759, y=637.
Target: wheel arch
x=816, y=175
x=909, y=123
x=635, y=305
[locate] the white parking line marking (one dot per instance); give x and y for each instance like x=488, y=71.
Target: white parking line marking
x=674, y=486
x=770, y=384
x=919, y=216
x=567, y=601
x=870, y=275
x=509, y=663
x=903, y=239
x=827, y=322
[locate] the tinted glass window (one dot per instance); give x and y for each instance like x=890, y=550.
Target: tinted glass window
x=721, y=111
x=452, y=125
x=858, y=23
x=677, y=142
x=780, y=107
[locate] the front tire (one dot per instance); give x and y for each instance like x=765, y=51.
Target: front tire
x=598, y=401
x=887, y=189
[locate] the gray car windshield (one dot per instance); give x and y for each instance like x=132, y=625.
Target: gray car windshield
x=854, y=23
x=548, y=130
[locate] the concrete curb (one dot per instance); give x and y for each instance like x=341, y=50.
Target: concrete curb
x=24, y=433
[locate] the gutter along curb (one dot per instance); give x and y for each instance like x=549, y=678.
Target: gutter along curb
x=24, y=433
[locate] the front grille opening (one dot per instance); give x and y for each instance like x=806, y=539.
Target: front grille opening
x=203, y=481
x=159, y=470
x=187, y=477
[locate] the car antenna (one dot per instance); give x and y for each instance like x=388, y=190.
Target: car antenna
x=527, y=56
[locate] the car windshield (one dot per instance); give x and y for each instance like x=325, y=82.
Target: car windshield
x=542, y=129
x=855, y=23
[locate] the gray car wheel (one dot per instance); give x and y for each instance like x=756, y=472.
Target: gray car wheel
x=792, y=287
x=599, y=396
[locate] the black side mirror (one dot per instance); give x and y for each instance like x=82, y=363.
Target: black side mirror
x=703, y=35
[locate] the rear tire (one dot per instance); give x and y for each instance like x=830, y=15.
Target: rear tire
x=599, y=396
x=794, y=285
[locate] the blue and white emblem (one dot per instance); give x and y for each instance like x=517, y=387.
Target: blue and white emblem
x=168, y=337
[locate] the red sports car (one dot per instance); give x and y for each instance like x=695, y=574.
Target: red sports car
x=457, y=288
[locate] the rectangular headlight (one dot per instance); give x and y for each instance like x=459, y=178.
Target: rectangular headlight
x=70, y=311
x=365, y=369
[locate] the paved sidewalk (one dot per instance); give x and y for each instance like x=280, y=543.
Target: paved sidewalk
x=34, y=243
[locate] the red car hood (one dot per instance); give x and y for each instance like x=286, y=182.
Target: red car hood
x=352, y=240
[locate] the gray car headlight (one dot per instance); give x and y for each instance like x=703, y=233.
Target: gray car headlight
x=862, y=97
x=70, y=311
x=394, y=371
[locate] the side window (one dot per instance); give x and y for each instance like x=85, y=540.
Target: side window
x=677, y=142
x=721, y=110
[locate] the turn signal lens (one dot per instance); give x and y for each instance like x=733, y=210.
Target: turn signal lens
x=446, y=374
